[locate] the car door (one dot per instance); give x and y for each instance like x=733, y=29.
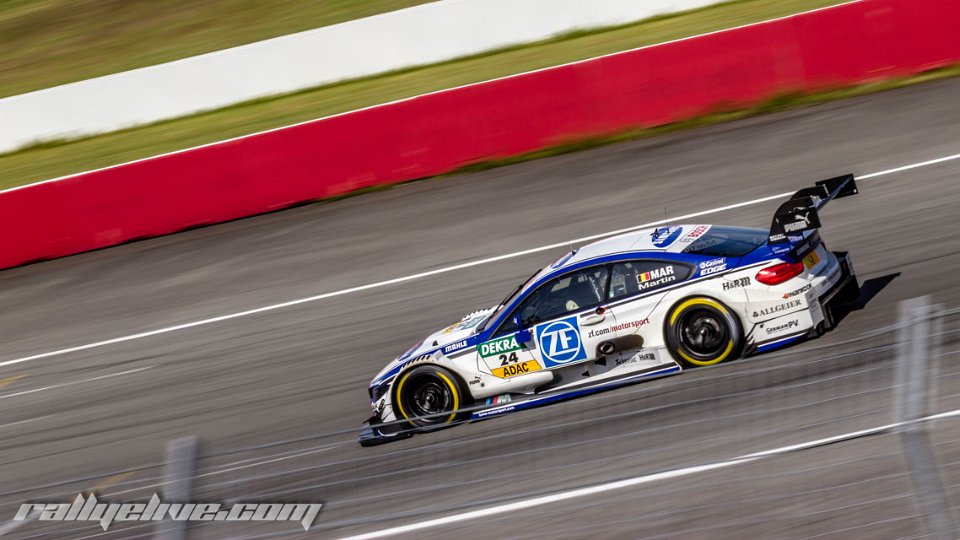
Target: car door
x=569, y=319
x=632, y=296
x=509, y=351
x=560, y=318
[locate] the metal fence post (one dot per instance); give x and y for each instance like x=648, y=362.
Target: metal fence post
x=914, y=368
x=178, y=484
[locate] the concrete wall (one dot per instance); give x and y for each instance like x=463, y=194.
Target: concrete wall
x=420, y=35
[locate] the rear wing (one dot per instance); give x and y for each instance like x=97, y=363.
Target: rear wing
x=801, y=212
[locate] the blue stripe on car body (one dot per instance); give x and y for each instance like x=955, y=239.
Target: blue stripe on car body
x=766, y=347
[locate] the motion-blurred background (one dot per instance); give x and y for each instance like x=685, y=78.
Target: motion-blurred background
x=165, y=278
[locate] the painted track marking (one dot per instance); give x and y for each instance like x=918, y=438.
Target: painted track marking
x=71, y=383
x=438, y=271
x=635, y=481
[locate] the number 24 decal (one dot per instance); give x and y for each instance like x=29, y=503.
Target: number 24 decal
x=507, y=360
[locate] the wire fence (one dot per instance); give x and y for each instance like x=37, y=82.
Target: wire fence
x=851, y=439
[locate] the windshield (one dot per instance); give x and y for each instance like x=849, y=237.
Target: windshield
x=727, y=242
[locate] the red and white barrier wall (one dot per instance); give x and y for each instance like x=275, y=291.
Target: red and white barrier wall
x=436, y=133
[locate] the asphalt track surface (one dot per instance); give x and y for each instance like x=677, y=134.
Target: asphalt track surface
x=298, y=374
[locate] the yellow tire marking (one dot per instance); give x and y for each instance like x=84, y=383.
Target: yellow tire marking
x=708, y=362
x=693, y=302
x=400, y=395
x=453, y=389
x=718, y=307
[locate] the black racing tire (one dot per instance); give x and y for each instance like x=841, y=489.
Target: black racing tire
x=429, y=396
x=701, y=331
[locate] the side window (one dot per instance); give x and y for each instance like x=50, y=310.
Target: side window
x=573, y=292
x=528, y=305
x=635, y=277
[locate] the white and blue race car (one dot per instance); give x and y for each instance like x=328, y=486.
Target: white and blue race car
x=632, y=307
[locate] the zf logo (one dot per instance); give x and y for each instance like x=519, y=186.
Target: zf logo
x=560, y=342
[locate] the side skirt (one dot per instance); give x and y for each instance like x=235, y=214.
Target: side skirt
x=569, y=393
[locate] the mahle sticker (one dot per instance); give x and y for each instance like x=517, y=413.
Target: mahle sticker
x=499, y=346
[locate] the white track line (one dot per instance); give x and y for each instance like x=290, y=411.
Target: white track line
x=499, y=510
x=71, y=383
x=419, y=96
x=444, y=270
x=253, y=463
x=27, y=421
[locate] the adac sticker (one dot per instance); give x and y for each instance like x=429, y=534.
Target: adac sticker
x=560, y=342
x=519, y=368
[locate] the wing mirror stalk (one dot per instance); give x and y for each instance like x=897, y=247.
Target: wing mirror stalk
x=523, y=335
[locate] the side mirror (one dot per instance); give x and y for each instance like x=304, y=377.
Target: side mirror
x=523, y=335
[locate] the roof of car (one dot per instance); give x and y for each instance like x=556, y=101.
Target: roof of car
x=668, y=239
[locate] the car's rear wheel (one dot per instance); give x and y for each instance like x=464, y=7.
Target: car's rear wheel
x=702, y=332
x=429, y=396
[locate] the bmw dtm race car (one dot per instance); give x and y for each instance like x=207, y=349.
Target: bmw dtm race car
x=632, y=307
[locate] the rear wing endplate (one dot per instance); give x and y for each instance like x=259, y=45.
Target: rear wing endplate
x=801, y=212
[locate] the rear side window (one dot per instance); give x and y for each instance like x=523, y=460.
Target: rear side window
x=727, y=242
x=635, y=277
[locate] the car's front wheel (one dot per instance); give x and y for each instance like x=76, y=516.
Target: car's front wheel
x=702, y=332
x=429, y=396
